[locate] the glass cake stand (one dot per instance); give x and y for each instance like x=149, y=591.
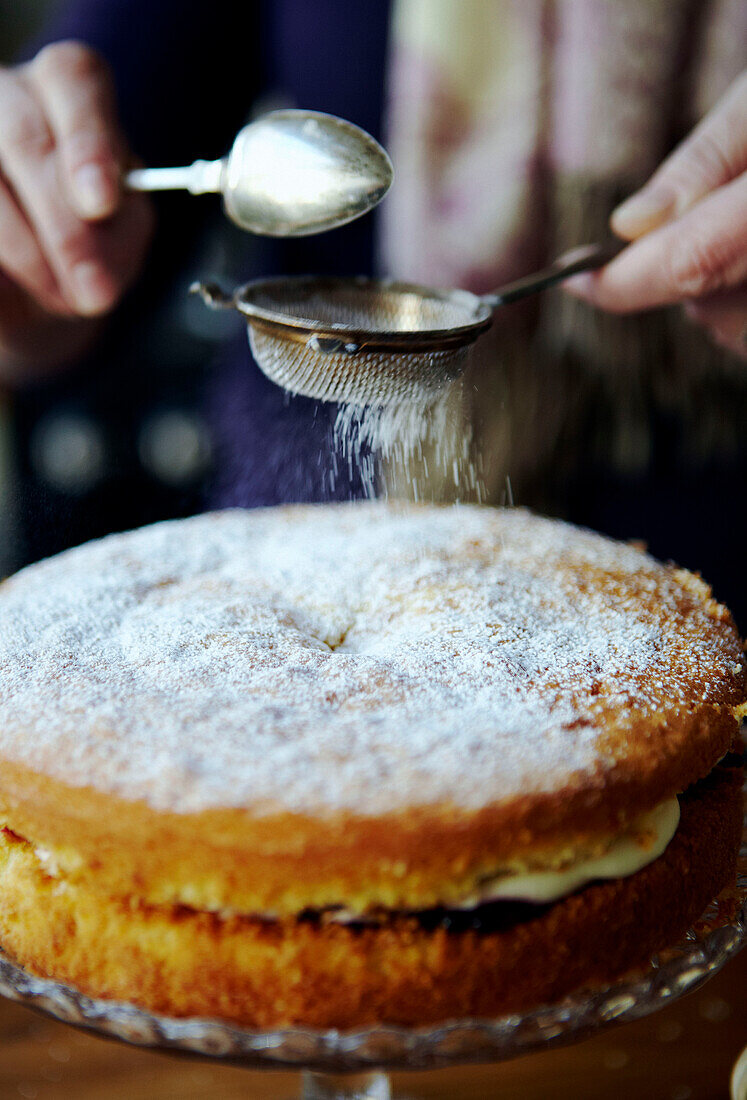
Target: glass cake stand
x=325, y=1057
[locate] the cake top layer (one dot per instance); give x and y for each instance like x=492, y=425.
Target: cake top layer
x=363, y=658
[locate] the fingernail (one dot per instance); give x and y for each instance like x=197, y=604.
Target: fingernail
x=91, y=293
x=643, y=212
x=95, y=194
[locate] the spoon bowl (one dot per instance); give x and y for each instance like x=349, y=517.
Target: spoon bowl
x=293, y=173
x=288, y=174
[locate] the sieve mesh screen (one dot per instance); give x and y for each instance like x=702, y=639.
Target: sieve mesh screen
x=364, y=378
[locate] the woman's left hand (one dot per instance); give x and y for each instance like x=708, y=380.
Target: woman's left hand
x=688, y=226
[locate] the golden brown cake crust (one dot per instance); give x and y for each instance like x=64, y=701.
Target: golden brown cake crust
x=266, y=974
x=611, y=683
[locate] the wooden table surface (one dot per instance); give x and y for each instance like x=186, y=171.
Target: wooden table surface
x=684, y=1052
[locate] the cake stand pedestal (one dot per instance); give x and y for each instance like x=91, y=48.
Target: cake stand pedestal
x=328, y=1058
x=360, y=1086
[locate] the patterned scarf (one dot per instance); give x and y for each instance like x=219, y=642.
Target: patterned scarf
x=515, y=127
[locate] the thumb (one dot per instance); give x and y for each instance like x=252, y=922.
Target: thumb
x=713, y=154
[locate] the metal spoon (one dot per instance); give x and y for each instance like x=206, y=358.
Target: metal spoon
x=289, y=174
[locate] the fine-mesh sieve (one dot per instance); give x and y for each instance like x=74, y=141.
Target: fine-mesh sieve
x=374, y=341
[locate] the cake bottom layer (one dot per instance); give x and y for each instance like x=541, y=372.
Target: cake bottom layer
x=411, y=970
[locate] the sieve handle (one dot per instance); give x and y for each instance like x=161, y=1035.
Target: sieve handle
x=214, y=295
x=586, y=258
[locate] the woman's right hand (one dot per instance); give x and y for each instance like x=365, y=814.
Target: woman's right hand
x=71, y=241
x=688, y=226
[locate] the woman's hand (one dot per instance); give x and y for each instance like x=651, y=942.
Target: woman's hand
x=689, y=228
x=70, y=241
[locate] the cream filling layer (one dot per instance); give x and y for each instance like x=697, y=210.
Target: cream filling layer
x=628, y=853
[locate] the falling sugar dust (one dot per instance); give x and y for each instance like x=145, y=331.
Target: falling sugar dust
x=419, y=446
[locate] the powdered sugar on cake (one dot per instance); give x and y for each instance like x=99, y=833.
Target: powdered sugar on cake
x=351, y=657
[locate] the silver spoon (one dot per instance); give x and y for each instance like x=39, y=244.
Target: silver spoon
x=289, y=174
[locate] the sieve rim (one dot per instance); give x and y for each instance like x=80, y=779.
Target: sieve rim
x=300, y=329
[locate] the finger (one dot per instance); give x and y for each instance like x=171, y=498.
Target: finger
x=713, y=154
x=75, y=90
x=28, y=158
x=725, y=317
x=702, y=253
x=22, y=259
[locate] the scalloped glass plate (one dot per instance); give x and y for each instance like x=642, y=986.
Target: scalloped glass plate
x=705, y=948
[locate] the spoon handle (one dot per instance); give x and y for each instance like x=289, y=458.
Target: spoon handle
x=586, y=258
x=199, y=178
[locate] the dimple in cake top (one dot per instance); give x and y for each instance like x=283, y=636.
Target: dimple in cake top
x=363, y=658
